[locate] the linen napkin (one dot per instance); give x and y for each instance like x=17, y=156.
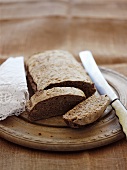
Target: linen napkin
x=13, y=87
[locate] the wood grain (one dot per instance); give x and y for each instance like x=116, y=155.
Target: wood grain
x=111, y=157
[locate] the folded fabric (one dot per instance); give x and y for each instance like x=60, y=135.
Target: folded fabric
x=13, y=87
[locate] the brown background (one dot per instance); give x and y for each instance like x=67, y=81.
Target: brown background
x=31, y=26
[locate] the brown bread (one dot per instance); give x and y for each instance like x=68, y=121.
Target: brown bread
x=59, y=83
x=87, y=111
x=53, y=102
x=57, y=68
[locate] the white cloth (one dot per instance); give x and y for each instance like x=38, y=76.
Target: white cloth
x=13, y=87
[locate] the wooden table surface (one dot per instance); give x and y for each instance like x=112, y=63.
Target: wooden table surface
x=32, y=26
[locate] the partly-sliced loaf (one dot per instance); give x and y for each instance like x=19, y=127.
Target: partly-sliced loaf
x=57, y=68
x=87, y=111
x=53, y=102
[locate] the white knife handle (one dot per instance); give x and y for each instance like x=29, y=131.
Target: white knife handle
x=121, y=112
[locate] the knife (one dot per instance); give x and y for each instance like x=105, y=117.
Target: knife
x=103, y=87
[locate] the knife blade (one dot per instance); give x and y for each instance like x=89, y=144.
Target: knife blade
x=103, y=87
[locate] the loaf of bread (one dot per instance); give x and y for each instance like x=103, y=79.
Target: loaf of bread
x=87, y=111
x=57, y=68
x=53, y=102
x=59, y=83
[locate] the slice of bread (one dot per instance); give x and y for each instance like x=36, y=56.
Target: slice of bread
x=87, y=111
x=57, y=68
x=53, y=102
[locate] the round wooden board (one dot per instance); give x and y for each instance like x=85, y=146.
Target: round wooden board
x=54, y=135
